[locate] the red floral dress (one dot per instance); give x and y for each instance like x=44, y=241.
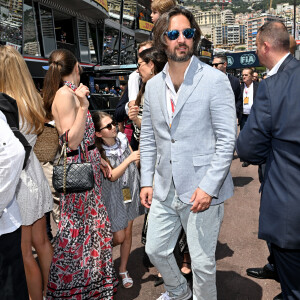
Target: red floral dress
x=82, y=266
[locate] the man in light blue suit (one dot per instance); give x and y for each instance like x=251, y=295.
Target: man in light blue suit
x=187, y=142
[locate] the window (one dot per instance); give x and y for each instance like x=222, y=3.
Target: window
x=83, y=41
x=64, y=32
x=128, y=53
x=31, y=43
x=93, y=43
x=11, y=23
x=111, y=46
x=47, y=28
x=129, y=11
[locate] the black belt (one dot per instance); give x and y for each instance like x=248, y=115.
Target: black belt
x=76, y=152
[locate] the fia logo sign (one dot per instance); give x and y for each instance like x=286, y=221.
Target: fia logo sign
x=230, y=60
x=247, y=59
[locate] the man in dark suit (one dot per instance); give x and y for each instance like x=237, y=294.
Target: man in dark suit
x=220, y=63
x=247, y=96
x=246, y=100
x=273, y=52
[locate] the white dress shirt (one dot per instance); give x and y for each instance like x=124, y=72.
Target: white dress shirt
x=133, y=88
x=248, y=92
x=170, y=90
x=12, y=155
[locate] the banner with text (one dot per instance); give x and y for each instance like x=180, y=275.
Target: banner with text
x=242, y=60
x=144, y=25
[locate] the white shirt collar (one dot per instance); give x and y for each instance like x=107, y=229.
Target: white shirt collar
x=168, y=78
x=274, y=70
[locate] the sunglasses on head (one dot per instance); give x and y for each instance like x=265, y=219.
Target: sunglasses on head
x=216, y=64
x=174, y=34
x=109, y=125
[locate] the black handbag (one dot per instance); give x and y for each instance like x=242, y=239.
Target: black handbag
x=72, y=177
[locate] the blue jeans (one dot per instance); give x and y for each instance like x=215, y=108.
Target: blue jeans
x=202, y=229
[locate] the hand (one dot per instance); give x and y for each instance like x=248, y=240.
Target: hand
x=105, y=168
x=131, y=103
x=134, y=156
x=133, y=112
x=146, y=196
x=201, y=201
x=82, y=92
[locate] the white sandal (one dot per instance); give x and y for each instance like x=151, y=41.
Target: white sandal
x=126, y=280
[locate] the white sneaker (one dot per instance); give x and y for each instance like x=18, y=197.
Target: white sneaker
x=186, y=296
x=164, y=296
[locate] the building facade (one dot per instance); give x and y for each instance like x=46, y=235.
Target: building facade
x=253, y=24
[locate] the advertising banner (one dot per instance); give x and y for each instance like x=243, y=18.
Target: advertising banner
x=242, y=60
x=144, y=25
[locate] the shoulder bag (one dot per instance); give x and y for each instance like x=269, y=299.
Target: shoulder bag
x=72, y=177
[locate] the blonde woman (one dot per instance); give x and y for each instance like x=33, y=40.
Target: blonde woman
x=33, y=192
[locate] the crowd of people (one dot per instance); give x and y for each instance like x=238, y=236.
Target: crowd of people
x=172, y=165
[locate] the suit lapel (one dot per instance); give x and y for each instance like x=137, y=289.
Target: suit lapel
x=161, y=96
x=191, y=80
x=284, y=63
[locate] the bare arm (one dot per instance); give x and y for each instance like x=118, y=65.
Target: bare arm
x=119, y=170
x=70, y=114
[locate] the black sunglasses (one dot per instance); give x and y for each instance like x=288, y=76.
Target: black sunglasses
x=174, y=34
x=216, y=64
x=109, y=125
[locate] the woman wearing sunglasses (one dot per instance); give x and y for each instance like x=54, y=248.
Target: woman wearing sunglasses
x=121, y=193
x=150, y=62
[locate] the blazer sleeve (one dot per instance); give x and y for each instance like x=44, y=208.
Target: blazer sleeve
x=120, y=113
x=223, y=118
x=254, y=142
x=147, y=145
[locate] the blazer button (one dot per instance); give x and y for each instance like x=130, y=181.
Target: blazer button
x=172, y=140
x=170, y=161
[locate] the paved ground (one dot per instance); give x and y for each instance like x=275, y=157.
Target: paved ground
x=238, y=249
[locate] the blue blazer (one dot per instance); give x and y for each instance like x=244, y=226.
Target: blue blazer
x=272, y=135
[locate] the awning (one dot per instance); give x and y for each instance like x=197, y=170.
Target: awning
x=94, y=9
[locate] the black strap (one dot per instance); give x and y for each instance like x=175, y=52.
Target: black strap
x=76, y=152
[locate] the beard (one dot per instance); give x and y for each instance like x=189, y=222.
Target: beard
x=182, y=58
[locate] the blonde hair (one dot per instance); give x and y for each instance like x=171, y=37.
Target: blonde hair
x=16, y=81
x=162, y=6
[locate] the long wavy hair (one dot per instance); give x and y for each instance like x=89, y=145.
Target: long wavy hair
x=61, y=63
x=162, y=24
x=16, y=81
x=159, y=60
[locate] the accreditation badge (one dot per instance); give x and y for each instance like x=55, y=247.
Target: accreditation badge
x=126, y=195
x=246, y=100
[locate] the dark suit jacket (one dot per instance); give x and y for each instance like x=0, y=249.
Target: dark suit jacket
x=239, y=105
x=120, y=113
x=289, y=63
x=272, y=134
x=236, y=87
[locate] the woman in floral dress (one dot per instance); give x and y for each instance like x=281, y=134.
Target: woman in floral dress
x=82, y=265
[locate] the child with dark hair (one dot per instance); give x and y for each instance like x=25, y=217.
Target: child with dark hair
x=121, y=192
